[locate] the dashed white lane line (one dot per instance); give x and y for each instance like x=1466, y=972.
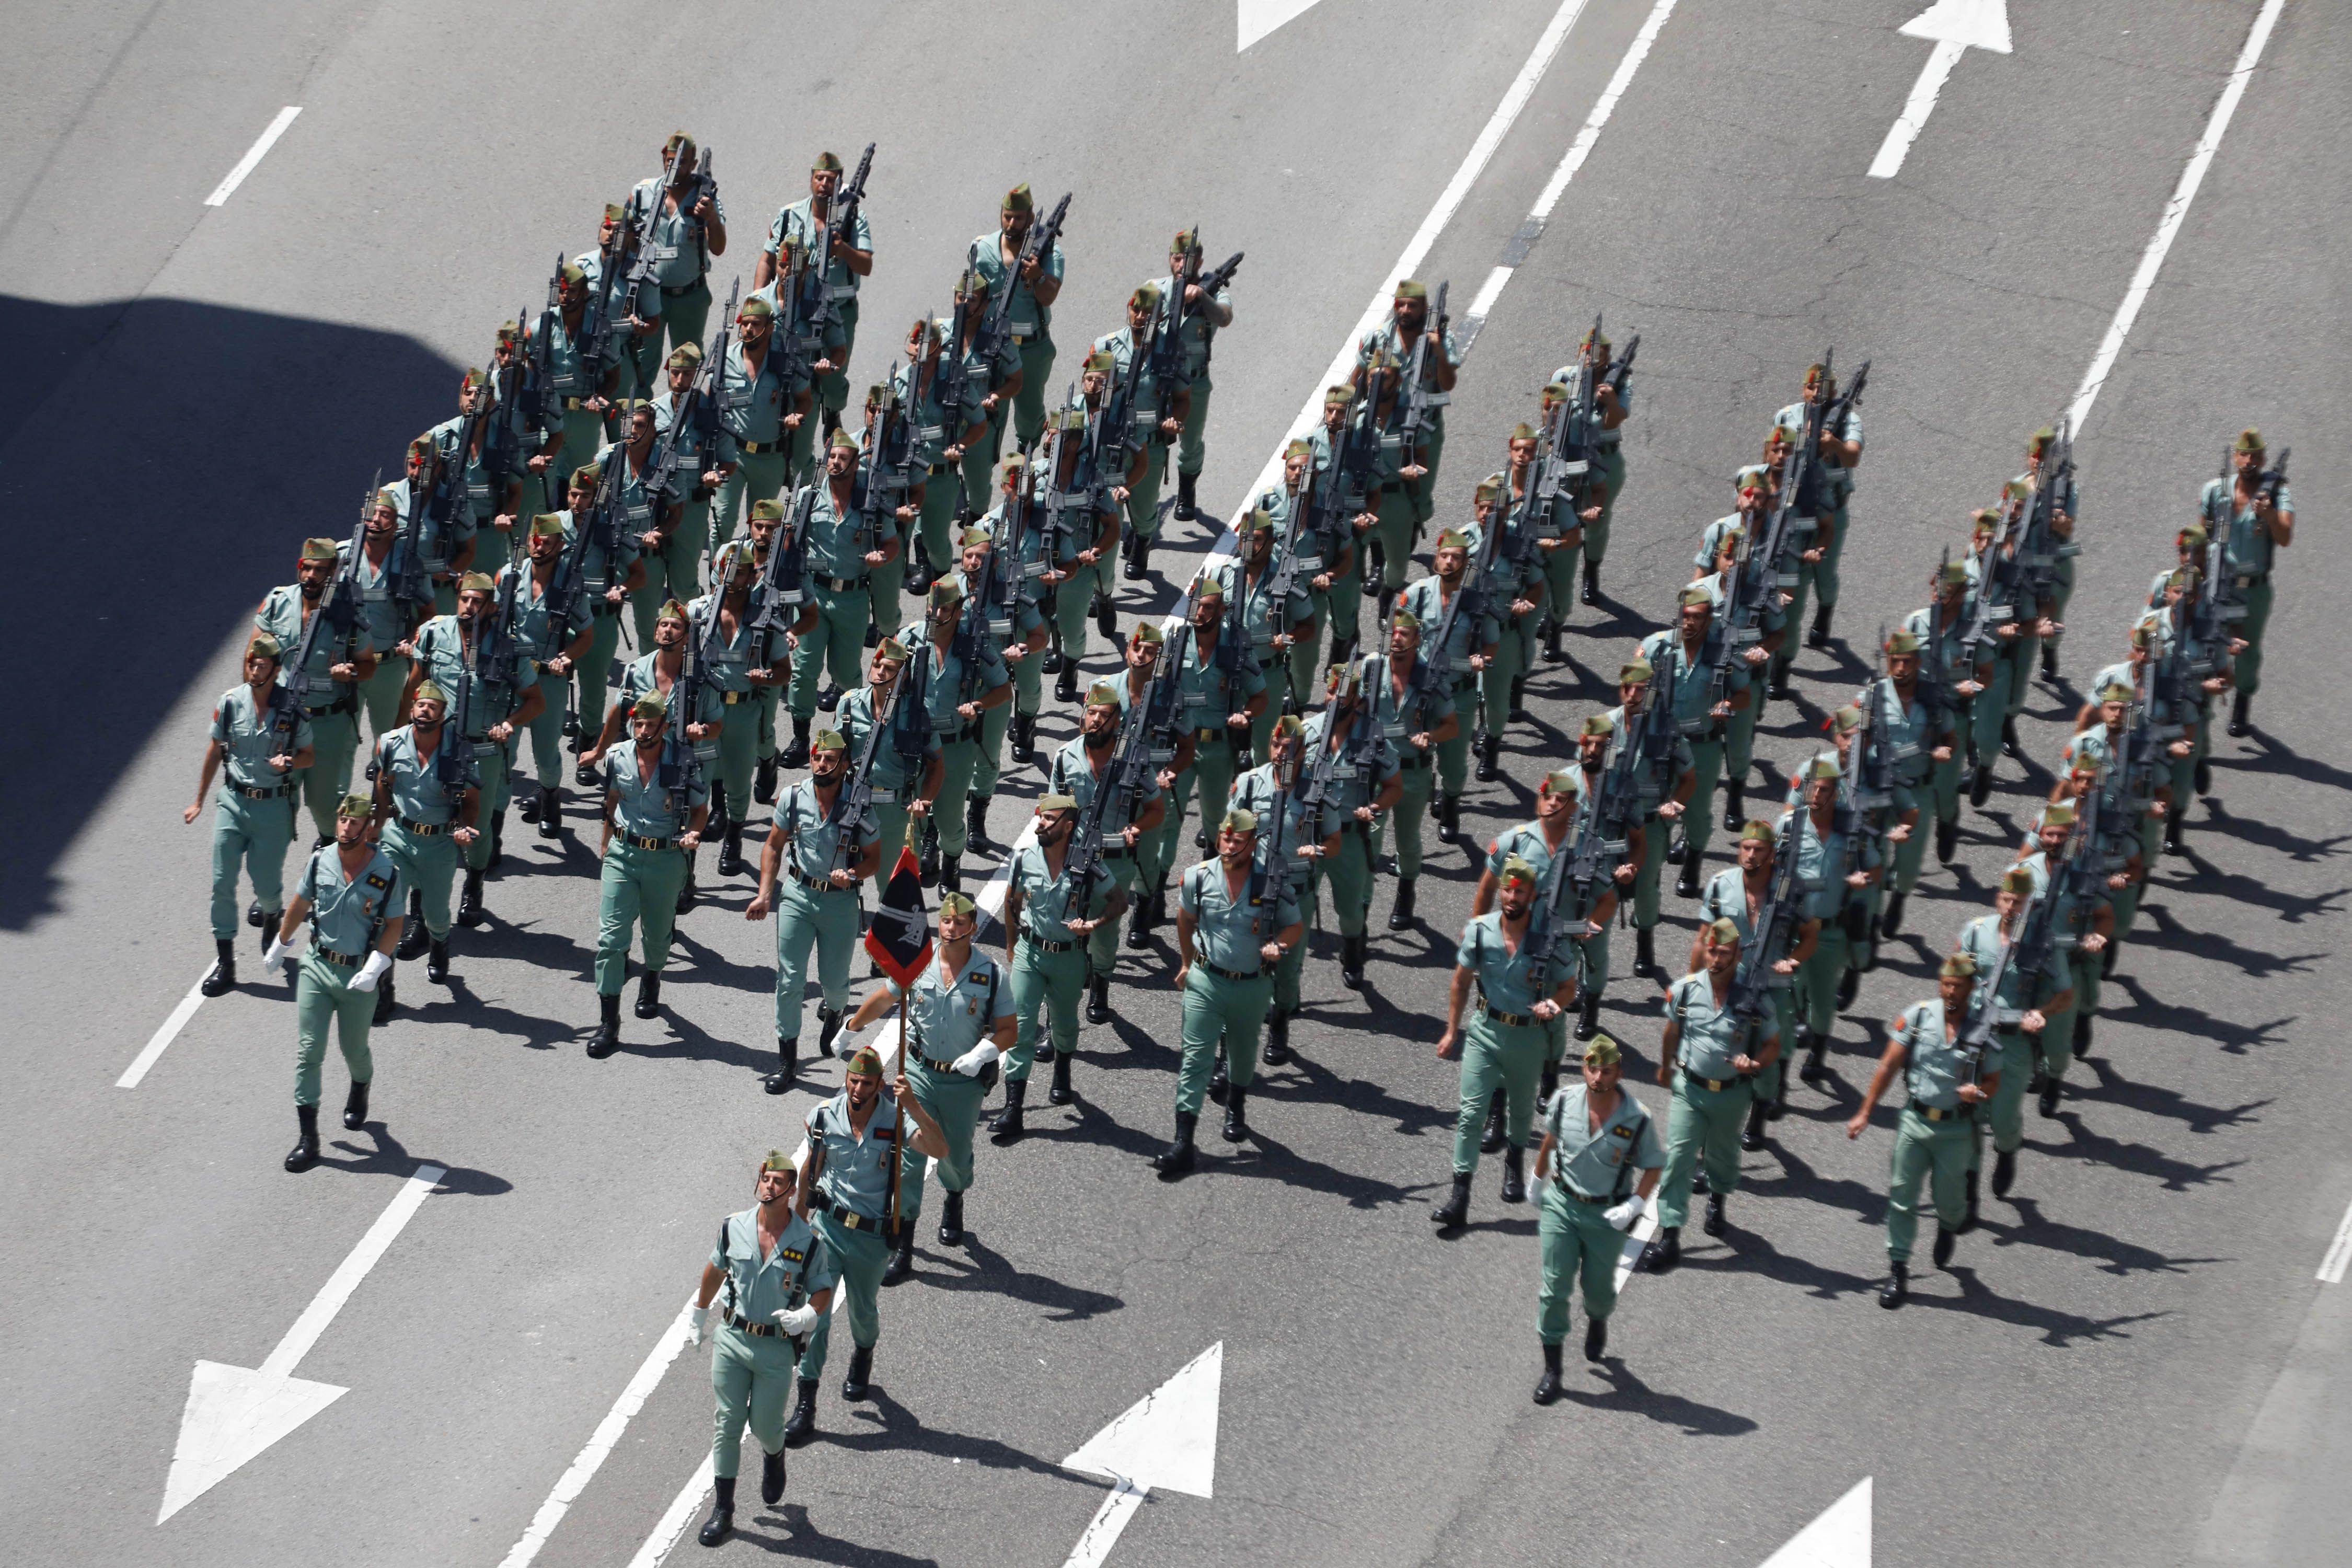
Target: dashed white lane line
x=2175, y=210
x=162, y=1037
x=253, y=154
x=2339, y=1252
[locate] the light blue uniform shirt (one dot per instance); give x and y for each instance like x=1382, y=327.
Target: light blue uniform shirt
x=679, y=253
x=248, y=739
x=946, y=1018
x=1048, y=901
x=759, y=1285
x=1027, y=319
x=857, y=1169
x=1502, y=975
x=1594, y=1161
x=1710, y=1039
x=1934, y=1067
x=811, y=837
x=415, y=782
x=641, y=806
x=347, y=913
x=1228, y=930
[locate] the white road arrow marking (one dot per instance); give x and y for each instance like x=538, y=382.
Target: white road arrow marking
x=1167, y=1439
x=1839, y=1539
x=1256, y=18
x=1956, y=26
x=233, y=1414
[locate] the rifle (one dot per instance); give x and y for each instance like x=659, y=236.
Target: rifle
x=1997, y=593
x=1755, y=980
x=997, y=324
x=1621, y=367
x=682, y=759
x=1168, y=342
x=494, y=658
x=1934, y=692
x=412, y=583
x=2040, y=549
x=286, y=697
x=595, y=340
x=1010, y=571
x=1440, y=668
x=1209, y=284
x=1419, y=399
x=1125, y=779
x=682, y=444
x=782, y=590
x=546, y=402
x=1867, y=788
x=705, y=184
x=1577, y=418
x=566, y=586
x=502, y=456
x=453, y=764
x=840, y=217
x=1978, y=1033
x=955, y=371
x=1162, y=710
x=856, y=798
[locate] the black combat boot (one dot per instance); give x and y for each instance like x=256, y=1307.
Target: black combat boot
x=1058, y=1091
x=2048, y=1104
x=1734, y=808
x=1106, y=615
x=1687, y=883
x=571, y=730
x=1596, y=1337
x=721, y=1522
x=1591, y=594
x=2004, y=1171
x=2082, y=1036
x=1547, y=1385
x=2050, y=660
x=975, y=826
x=689, y=892
x=1006, y=1126
x=1848, y=985
x=951, y=873
x=1546, y=1084
x=902, y=1256
x=1819, y=638
x=1751, y=1137
x=1449, y=817
x=1968, y=1223
x=1945, y=1240
x=1489, y=747
x=952, y=1219
x=1662, y=1251
x=1139, y=924
x=829, y=1021
x=1519, y=698
x=1715, y=1224
x=1218, y=1082
x=469, y=902
x=2200, y=777
x=803, y=1425
x=1065, y=684
x=771, y=1477
x=2241, y=714
x=551, y=811
x=1490, y=1136
x=788, y=1066
x=1587, y=1014
x=1552, y=652
x=220, y=979
x=254, y=917
x=1139, y=560
x=1352, y=952
x=355, y=1109
x=763, y=781
x=1401, y=915
x=927, y=863
x=1897, y=1286
x=2010, y=746
x=1185, y=508
x=1811, y=1046
x=1278, y=1038
x=384, y=1003
x=731, y=851
x=1179, y=1156
x=1777, y=686
x=1451, y=1214
x=1515, y=1175
x=305, y=1152
x=919, y=571
x=497, y=840
x=1890, y=920
x=648, y=995
x=2173, y=821
x=1236, y=1114
x=1947, y=839
x=861, y=1368
x=1098, y=999
x=1024, y=736
x=608, y=1028
x=1646, y=956
x=527, y=804
x=1980, y=784
x=413, y=937
x=796, y=754
x=437, y=962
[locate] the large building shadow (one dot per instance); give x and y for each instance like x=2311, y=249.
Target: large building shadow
x=160, y=462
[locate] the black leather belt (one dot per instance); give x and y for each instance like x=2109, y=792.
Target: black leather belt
x=942, y=1067
x=1413, y=763
x=1223, y=974
x=757, y=448
x=602, y=608
x=839, y=584
x=1567, y=1191
x=844, y=1215
x=340, y=705
x=733, y=698
x=1208, y=732
x=1044, y=946
x=745, y=1325
x=249, y=792
x=817, y=884
x=1514, y=1019
x=669, y=293
x=639, y=841
x=423, y=830
x=572, y=404
x=1938, y=1113
x=1713, y=1084
x=340, y=961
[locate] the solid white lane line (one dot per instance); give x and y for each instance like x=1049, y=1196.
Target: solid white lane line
x=163, y=1037
x=2339, y=1253
x=253, y=155
x=338, y=1287
x=1916, y=107
x=1449, y=201
x=681, y=1512
x=607, y=1435
x=2175, y=210
x=1580, y=149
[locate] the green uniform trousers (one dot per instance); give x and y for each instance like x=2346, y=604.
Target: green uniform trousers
x=636, y=888
x=738, y=747
x=1072, y=619
x=960, y=760
x=753, y=1377
x=490, y=763
x=1609, y=462
x=1740, y=740
x=1423, y=489
x=1494, y=1054
x=835, y=646
x=757, y=476
x=1702, y=1129
x=885, y=587
x=1699, y=815
x=323, y=996
x=250, y=836
x=1784, y=1016
x=427, y=864
x=1938, y=1152
x=335, y=738
x=1399, y=513
x=2006, y=1113
x=2246, y=670
x=1349, y=874
x=1143, y=496
x=1411, y=813
x=833, y=386
x=1346, y=607
x=954, y=1101
x=1825, y=571
x=1029, y=406
x=593, y=673
x=1155, y=852
x=1560, y=581
x=546, y=731
x=860, y=1256
x=1190, y=446
x=380, y=692
x=1211, y=774
x=1292, y=969
x=988, y=764
x=805, y=918
x=1818, y=976
x=674, y=571
x=1576, y=1242
x=1046, y=990
x=1219, y=1014
x=1988, y=708
x=1655, y=834
x=935, y=509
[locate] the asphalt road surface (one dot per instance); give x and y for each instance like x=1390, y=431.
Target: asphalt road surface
x=2133, y=1362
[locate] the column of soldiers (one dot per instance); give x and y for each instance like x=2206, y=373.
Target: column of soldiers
x=1306, y=744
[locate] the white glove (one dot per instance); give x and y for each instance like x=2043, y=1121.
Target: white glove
x=974, y=1062
x=700, y=1315
x=796, y=1321
x=273, y=955
x=371, y=971
x=1623, y=1217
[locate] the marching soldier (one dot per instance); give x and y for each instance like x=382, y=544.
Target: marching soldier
x=1464, y=646
x=1661, y=806
x=1155, y=851
x=1920, y=741
x=2030, y=1000
x=2257, y=512
x=996, y=377
x=1220, y=693
x=1023, y=640
x=537, y=614
x=1158, y=413
x=1506, y=1042
x=1700, y=717
x=1303, y=838
x=255, y=820
x=1365, y=785
x=731, y=670
x=1517, y=590
x=610, y=572
x=1235, y=920
x=1938, y=629
x=1348, y=545
x=1039, y=284
x=1279, y=502
x=643, y=531
x=1397, y=338
x=633, y=305
x=386, y=619
x=937, y=438
x=848, y=261
x=2083, y=937
x=1598, y=1142
x=1742, y=894
x=2061, y=569
x=445, y=548
x=964, y=683
x=350, y=893
x=672, y=549
x=1835, y=897
x=772, y=1282
x=1611, y=404
x=763, y=397
x=1272, y=628
x=1625, y=829
x=831, y=857
x=424, y=819
x=581, y=391
x=1413, y=705
x=650, y=827
x=907, y=767
x=1560, y=533
x=1205, y=313
x=1992, y=722
x=487, y=497
x=858, y=1146
x=1840, y=454
x=845, y=548
x=1086, y=507
x=689, y=228
x=1079, y=768
x=448, y=650
x=1052, y=926
x=1935, y=1135
x=959, y=1022
x=1710, y=1062
x=341, y=660
x=658, y=671
x=1393, y=478
x=1739, y=732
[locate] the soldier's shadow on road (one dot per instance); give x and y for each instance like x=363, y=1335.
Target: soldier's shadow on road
x=2161, y=932
x=2275, y=758
x=390, y=1156
x=2170, y=1017
x=974, y=1265
x=2058, y=1330
x=1744, y=1252
x=885, y=1425
x=2264, y=836
x=2114, y=1089
x=2113, y=1256
x=1627, y=1392
x=800, y=1538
